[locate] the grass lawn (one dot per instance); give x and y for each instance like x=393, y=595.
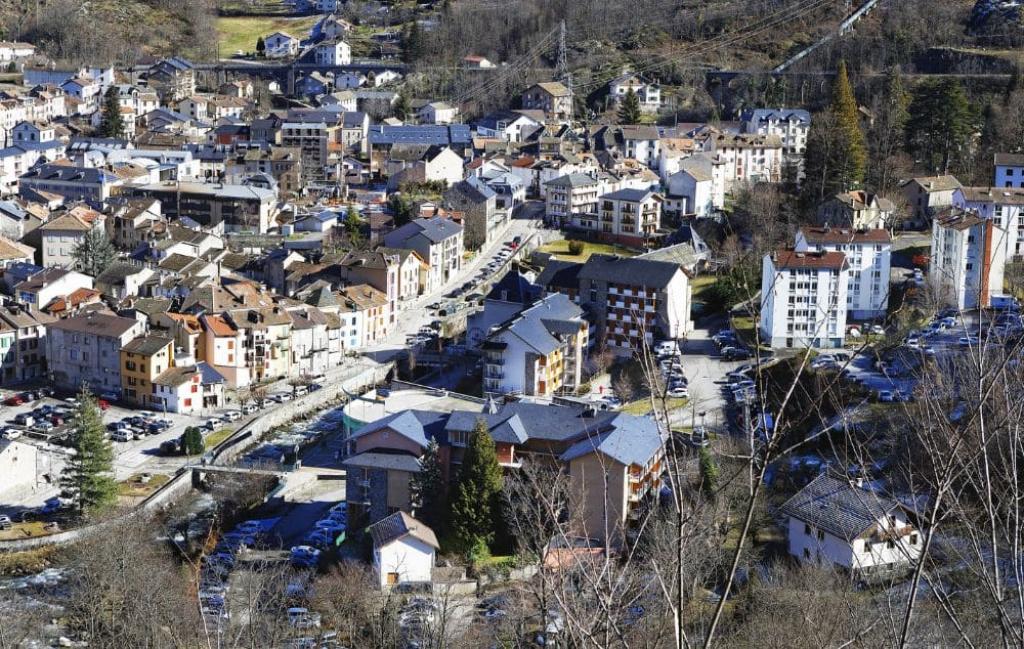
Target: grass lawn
x=24, y=531
x=217, y=437
x=643, y=406
x=560, y=249
x=744, y=327
x=701, y=283
x=240, y=32
x=135, y=488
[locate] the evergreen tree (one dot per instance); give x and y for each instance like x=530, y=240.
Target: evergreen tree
x=413, y=43
x=261, y=46
x=429, y=489
x=853, y=152
x=192, y=441
x=708, y=472
x=476, y=507
x=836, y=155
x=88, y=474
x=940, y=125
x=94, y=253
x=629, y=108
x=112, y=124
x=403, y=107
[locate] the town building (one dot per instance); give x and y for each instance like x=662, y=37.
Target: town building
x=967, y=258
x=570, y=197
x=22, y=344
x=189, y=390
x=632, y=302
x=86, y=350
x=833, y=523
x=628, y=216
x=403, y=550
x=648, y=94
x=438, y=241
x=143, y=359
x=928, y=195
x=697, y=188
x=61, y=235
x=857, y=209
x=791, y=125
x=551, y=97
x=746, y=158
x=868, y=258
x=803, y=299
x=539, y=352
x=383, y=457
x=1003, y=205
x=1009, y=170
x=219, y=207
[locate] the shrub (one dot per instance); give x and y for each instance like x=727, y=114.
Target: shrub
x=576, y=248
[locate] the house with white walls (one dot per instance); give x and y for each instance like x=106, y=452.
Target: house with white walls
x=835, y=523
x=968, y=258
x=403, y=550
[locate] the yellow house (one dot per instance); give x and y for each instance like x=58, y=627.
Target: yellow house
x=142, y=360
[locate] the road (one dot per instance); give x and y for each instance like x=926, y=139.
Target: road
x=414, y=314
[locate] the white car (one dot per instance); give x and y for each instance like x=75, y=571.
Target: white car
x=332, y=526
x=231, y=415
x=12, y=433
x=678, y=392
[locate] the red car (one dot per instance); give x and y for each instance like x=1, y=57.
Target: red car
x=103, y=404
x=14, y=401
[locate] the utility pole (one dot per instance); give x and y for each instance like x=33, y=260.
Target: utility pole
x=562, y=69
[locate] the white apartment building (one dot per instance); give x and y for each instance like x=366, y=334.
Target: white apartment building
x=746, y=157
x=438, y=241
x=968, y=257
x=868, y=256
x=1009, y=170
x=791, y=125
x=333, y=53
x=629, y=216
x=803, y=299
x=571, y=195
x=929, y=194
x=1003, y=205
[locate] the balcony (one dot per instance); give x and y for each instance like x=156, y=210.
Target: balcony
x=495, y=361
x=493, y=374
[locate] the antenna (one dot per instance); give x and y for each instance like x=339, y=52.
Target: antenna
x=562, y=68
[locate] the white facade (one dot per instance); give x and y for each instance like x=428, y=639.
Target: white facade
x=280, y=45
x=1004, y=206
x=803, y=299
x=812, y=545
x=446, y=165
x=333, y=54
x=746, y=158
x=406, y=559
x=968, y=258
x=869, y=257
x=18, y=466
x=649, y=94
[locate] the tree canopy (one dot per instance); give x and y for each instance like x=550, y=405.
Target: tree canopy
x=94, y=253
x=88, y=474
x=476, y=507
x=629, y=108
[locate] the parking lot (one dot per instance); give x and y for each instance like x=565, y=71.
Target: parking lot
x=50, y=434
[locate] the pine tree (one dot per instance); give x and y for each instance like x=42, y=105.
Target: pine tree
x=261, y=46
x=476, y=507
x=629, y=108
x=94, y=253
x=112, y=124
x=852, y=158
x=192, y=441
x=940, y=125
x=88, y=474
x=413, y=44
x=429, y=489
x=708, y=472
x=403, y=107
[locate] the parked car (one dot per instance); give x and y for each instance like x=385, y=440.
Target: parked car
x=6, y=523
x=122, y=435
x=232, y=415
x=967, y=341
x=14, y=400
x=304, y=556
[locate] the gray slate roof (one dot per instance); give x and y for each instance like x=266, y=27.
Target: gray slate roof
x=632, y=440
x=416, y=425
x=629, y=270
x=400, y=524
x=387, y=461
x=838, y=507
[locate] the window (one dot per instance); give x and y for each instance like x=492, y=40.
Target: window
x=821, y=535
x=807, y=529
x=890, y=544
x=913, y=539
x=807, y=553
x=188, y=403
